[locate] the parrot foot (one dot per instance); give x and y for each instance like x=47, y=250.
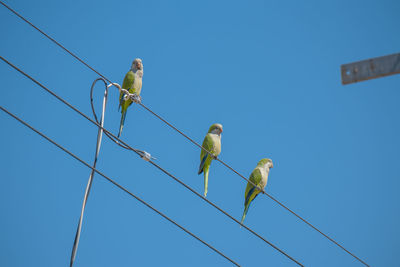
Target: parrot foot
x=214, y=157
x=126, y=94
x=136, y=98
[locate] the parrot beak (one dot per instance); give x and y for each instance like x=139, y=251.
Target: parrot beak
x=272, y=165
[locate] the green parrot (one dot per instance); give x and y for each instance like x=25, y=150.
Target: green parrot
x=133, y=83
x=212, y=142
x=259, y=177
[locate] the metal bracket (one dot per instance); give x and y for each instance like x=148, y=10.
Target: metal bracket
x=370, y=68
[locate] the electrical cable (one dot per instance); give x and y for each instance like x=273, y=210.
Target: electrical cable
x=91, y=176
x=226, y=165
x=140, y=154
x=117, y=185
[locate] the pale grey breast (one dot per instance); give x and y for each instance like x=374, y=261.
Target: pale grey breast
x=137, y=83
x=217, y=143
x=264, y=175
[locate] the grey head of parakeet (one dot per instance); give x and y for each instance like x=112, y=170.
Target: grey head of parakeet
x=216, y=128
x=137, y=64
x=267, y=162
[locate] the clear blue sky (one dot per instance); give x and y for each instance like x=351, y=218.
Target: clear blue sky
x=268, y=71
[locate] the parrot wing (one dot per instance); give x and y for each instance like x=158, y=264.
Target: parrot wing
x=126, y=84
x=255, y=177
x=208, y=144
x=251, y=191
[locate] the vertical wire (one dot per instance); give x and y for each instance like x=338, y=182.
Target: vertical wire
x=91, y=176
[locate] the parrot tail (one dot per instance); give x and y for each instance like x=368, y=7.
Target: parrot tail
x=246, y=208
x=121, y=100
x=121, y=125
x=248, y=201
x=206, y=170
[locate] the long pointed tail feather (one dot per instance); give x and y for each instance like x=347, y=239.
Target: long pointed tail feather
x=249, y=199
x=121, y=100
x=121, y=125
x=246, y=208
x=206, y=171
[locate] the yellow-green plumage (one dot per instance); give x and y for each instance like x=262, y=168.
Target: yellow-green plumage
x=212, y=143
x=258, y=177
x=133, y=83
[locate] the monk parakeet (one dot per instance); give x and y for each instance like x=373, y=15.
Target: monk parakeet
x=212, y=142
x=259, y=177
x=133, y=83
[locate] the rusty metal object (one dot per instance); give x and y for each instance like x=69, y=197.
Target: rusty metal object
x=370, y=68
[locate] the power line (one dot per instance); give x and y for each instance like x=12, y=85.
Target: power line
x=91, y=176
x=191, y=189
x=52, y=39
x=223, y=163
x=261, y=189
x=117, y=185
x=139, y=152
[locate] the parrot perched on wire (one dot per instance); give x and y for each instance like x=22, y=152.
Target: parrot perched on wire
x=259, y=177
x=212, y=142
x=133, y=83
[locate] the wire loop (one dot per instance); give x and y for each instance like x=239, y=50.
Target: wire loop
x=119, y=186
x=151, y=162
